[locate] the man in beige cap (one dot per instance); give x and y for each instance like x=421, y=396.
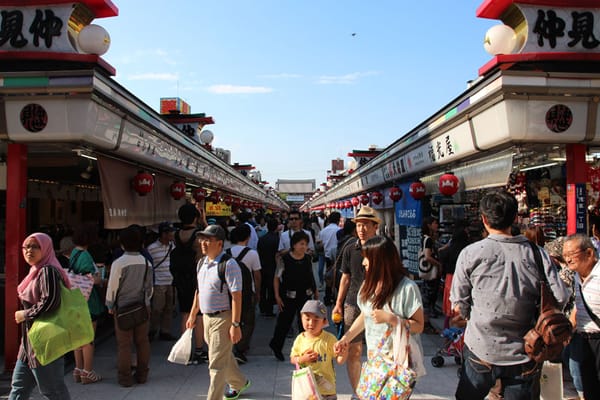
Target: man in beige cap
x=353, y=274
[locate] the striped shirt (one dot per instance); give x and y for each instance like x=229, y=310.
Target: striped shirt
x=161, y=262
x=591, y=291
x=210, y=297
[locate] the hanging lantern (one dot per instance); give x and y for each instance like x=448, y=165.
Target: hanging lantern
x=199, y=194
x=143, y=183
x=215, y=197
x=364, y=199
x=347, y=204
x=177, y=190
x=417, y=190
x=377, y=197
x=355, y=201
x=395, y=194
x=448, y=184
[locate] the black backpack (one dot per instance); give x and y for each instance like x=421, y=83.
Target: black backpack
x=247, y=278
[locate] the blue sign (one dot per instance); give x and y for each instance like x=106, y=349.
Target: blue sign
x=580, y=207
x=408, y=210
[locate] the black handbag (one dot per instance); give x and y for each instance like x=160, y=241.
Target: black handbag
x=132, y=315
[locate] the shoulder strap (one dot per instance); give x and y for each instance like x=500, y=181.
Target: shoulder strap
x=222, y=266
x=538, y=261
x=593, y=316
x=166, y=256
x=73, y=259
x=242, y=254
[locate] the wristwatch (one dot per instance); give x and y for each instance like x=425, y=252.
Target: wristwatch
x=235, y=324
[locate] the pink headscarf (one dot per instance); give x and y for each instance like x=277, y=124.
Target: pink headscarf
x=48, y=258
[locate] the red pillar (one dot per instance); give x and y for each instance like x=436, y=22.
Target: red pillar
x=16, y=202
x=576, y=189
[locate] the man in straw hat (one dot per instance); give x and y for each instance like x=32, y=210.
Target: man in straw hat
x=353, y=274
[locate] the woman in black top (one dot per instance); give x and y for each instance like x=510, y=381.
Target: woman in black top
x=294, y=284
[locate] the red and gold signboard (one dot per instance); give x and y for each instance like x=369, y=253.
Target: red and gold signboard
x=217, y=209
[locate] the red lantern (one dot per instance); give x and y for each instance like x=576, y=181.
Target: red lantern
x=199, y=194
x=215, y=197
x=377, y=197
x=177, y=190
x=355, y=201
x=395, y=194
x=347, y=204
x=143, y=183
x=448, y=184
x=417, y=190
x=364, y=199
x=227, y=200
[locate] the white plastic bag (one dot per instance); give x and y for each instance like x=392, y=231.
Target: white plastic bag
x=183, y=350
x=551, y=381
x=304, y=385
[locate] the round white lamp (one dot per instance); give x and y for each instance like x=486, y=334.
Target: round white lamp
x=206, y=137
x=500, y=39
x=94, y=39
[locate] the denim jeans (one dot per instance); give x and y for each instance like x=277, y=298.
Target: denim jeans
x=520, y=382
x=50, y=380
x=573, y=360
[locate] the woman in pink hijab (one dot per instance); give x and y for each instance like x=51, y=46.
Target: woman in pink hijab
x=39, y=292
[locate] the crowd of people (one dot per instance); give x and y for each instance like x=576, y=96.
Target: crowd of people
x=220, y=271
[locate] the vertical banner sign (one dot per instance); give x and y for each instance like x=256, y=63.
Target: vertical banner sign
x=580, y=207
x=408, y=218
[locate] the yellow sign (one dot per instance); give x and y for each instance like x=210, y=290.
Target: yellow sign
x=217, y=209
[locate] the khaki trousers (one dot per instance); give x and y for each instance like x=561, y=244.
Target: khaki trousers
x=163, y=300
x=222, y=366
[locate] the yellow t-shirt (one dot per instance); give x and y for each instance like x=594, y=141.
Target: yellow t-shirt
x=323, y=368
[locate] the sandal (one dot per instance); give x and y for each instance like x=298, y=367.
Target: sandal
x=89, y=377
x=77, y=375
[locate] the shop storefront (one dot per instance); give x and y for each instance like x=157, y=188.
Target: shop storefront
x=529, y=124
x=79, y=147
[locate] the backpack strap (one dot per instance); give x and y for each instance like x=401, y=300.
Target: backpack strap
x=593, y=316
x=223, y=266
x=242, y=254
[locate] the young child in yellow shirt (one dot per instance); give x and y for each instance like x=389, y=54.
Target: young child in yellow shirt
x=314, y=348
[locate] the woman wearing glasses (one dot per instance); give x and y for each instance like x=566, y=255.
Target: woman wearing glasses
x=39, y=293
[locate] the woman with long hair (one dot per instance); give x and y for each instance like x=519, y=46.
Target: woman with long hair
x=39, y=293
x=386, y=298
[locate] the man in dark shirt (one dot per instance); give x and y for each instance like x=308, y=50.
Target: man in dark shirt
x=353, y=274
x=267, y=250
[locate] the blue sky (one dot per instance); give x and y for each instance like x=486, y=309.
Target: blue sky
x=288, y=84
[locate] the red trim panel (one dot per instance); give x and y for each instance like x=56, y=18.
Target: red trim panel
x=505, y=61
x=493, y=9
x=100, y=8
x=54, y=56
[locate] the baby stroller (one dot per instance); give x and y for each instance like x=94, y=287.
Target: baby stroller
x=453, y=347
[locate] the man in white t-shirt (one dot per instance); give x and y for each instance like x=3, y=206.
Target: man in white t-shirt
x=240, y=237
x=294, y=225
x=329, y=238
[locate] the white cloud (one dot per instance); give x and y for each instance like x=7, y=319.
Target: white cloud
x=238, y=89
x=283, y=75
x=344, y=79
x=154, y=76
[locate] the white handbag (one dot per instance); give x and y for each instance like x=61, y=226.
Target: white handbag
x=551, y=381
x=183, y=350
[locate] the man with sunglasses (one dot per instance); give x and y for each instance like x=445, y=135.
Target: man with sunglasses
x=294, y=225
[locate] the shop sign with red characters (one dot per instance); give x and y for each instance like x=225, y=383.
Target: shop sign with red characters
x=47, y=27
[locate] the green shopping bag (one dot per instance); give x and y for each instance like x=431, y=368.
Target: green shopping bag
x=56, y=333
